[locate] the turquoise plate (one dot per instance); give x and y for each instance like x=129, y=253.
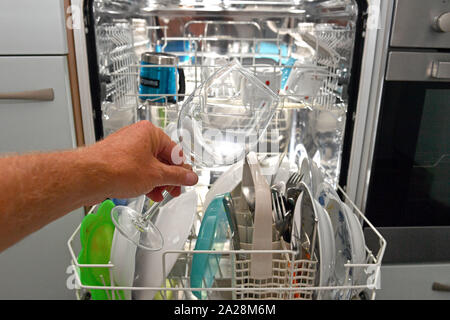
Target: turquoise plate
x=212, y=236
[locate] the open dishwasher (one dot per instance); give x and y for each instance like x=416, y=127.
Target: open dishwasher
x=303, y=51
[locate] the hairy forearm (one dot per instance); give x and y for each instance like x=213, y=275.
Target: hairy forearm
x=36, y=189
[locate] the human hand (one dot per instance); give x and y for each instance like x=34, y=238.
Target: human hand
x=141, y=159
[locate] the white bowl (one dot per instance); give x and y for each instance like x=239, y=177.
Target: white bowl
x=175, y=221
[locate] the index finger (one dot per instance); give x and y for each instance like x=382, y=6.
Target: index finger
x=169, y=151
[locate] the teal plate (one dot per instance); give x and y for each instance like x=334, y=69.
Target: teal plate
x=211, y=236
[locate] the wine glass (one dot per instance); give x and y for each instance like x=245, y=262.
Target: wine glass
x=216, y=128
x=138, y=227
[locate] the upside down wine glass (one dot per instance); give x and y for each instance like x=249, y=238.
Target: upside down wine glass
x=215, y=128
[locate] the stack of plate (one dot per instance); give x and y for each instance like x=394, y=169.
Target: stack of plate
x=328, y=231
x=339, y=239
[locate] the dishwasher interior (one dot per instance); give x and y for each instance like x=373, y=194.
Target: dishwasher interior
x=310, y=43
x=277, y=35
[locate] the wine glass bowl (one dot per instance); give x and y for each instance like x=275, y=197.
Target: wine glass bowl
x=218, y=124
x=218, y=127
x=137, y=228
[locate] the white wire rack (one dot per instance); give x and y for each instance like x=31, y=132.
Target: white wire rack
x=327, y=46
x=323, y=47
x=291, y=279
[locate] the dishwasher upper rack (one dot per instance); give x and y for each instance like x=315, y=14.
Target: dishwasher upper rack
x=223, y=286
x=330, y=47
x=124, y=105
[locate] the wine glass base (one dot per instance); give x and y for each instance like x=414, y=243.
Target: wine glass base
x=144, y=234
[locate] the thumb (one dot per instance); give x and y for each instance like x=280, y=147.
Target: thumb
x=177, y=175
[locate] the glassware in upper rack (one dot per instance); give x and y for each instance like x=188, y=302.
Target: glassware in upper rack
x=215, y=128
x=225, y=117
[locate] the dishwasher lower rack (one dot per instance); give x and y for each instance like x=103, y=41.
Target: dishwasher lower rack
x=291, y=278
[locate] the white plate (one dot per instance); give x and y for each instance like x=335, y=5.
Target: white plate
x=327, y=249
x=316, y=176
x=311, y=210
x=349, y=238
x=226, y=182
x=345, y=252
x=324, y=193
x=175, y=221
x=296, y=219
x=359, y=245
x=305, y=171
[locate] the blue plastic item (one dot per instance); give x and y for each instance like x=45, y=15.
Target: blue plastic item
x=157, y=81
x=176, y=46
x=285, y=72
x=212, y=236
x=272, y=51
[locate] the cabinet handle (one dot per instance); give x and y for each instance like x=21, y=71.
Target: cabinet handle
x=39, y=95
x=440, y=287
x=441, y=70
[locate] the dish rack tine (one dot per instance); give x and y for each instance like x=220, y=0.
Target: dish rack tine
x=108, y=293
x=313, y=239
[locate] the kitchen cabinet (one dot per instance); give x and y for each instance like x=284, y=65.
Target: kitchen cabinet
x=31, y=27
x=413, y=281
x=33, y=57
x=27, y=125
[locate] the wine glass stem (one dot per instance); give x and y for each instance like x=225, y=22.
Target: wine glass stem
x=154, y=208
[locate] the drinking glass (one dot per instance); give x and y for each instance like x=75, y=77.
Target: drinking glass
x=215, y=129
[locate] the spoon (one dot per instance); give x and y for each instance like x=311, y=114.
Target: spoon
x=247, y=186
x=229, y=208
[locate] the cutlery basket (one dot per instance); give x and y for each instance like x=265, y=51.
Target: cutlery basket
x=287, y=273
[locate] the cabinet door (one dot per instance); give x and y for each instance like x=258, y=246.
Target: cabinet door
x=413, y=281
x=32, y=27
x=38, y=266
x=32, y=125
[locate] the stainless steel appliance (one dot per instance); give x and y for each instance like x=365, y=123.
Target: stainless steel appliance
x=399, y=167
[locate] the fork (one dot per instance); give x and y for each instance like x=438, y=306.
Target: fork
x=294, y=180
x=292, y=190
x=281, y=216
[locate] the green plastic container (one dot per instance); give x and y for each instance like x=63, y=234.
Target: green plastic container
x=96, y=235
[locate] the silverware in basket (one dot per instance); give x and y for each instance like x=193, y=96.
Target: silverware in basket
x=292, y=189
x=229, y=208
x=282, y=215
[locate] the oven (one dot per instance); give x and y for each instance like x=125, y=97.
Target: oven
x=406, y=182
